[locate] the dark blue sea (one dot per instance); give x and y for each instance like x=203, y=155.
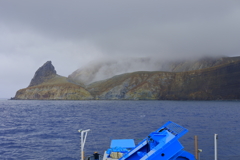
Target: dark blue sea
x=49, y=129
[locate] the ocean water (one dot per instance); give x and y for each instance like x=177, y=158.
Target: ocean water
x=49, y=129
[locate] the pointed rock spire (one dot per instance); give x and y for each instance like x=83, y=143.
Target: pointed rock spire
x=43, y=74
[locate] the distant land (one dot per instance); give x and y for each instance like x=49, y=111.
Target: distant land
x=203, y=79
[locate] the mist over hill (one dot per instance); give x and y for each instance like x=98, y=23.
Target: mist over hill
x=104, y=69
x=142, y=78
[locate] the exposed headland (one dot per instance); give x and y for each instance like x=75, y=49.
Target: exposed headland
x=203, y=79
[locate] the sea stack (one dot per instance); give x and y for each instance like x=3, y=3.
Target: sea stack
x=220, y=81
x=44, y=73
x=47, y=85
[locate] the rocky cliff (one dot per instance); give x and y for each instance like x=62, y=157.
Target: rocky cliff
x=214, y=83
x=47, y=85
x=102, y=70
x=191, y=65
x=61, y=91
x=43, y=74
x=209, y=79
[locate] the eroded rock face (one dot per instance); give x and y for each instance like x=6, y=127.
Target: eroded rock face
x=43, y=74
x=47, y=85
x=102, y=70
x=220, y=82
x=54, y=92
x=215, y=83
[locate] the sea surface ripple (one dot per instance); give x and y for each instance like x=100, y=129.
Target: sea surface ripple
x=49, y=129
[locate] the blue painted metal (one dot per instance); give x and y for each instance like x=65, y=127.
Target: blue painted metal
x=162, y=144
x=124, y=143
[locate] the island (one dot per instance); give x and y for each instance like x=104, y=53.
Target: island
x=205, y=79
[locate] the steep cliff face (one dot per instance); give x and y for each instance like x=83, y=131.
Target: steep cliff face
x=43, y=74
x=117, y=86
x=54, y=92
x=154, y=87
x=137, y=85
x=107, y=69
x=47, y=85
x=191, y=65
x=219, y=82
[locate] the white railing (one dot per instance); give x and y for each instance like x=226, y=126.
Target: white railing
x=83, y=137
x=215, y=146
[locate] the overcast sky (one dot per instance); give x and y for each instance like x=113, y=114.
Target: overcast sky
x=71, y=33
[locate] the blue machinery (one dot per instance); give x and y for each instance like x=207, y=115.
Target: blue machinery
x=162, y=144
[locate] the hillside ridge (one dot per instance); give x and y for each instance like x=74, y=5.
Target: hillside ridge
x=221, y=81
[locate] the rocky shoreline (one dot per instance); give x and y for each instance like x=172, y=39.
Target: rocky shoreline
x=218, y=82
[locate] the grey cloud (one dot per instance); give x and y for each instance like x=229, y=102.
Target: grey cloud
x=80, y=18
x=73, y=33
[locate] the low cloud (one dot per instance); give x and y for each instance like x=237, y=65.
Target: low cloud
x=73, y=33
